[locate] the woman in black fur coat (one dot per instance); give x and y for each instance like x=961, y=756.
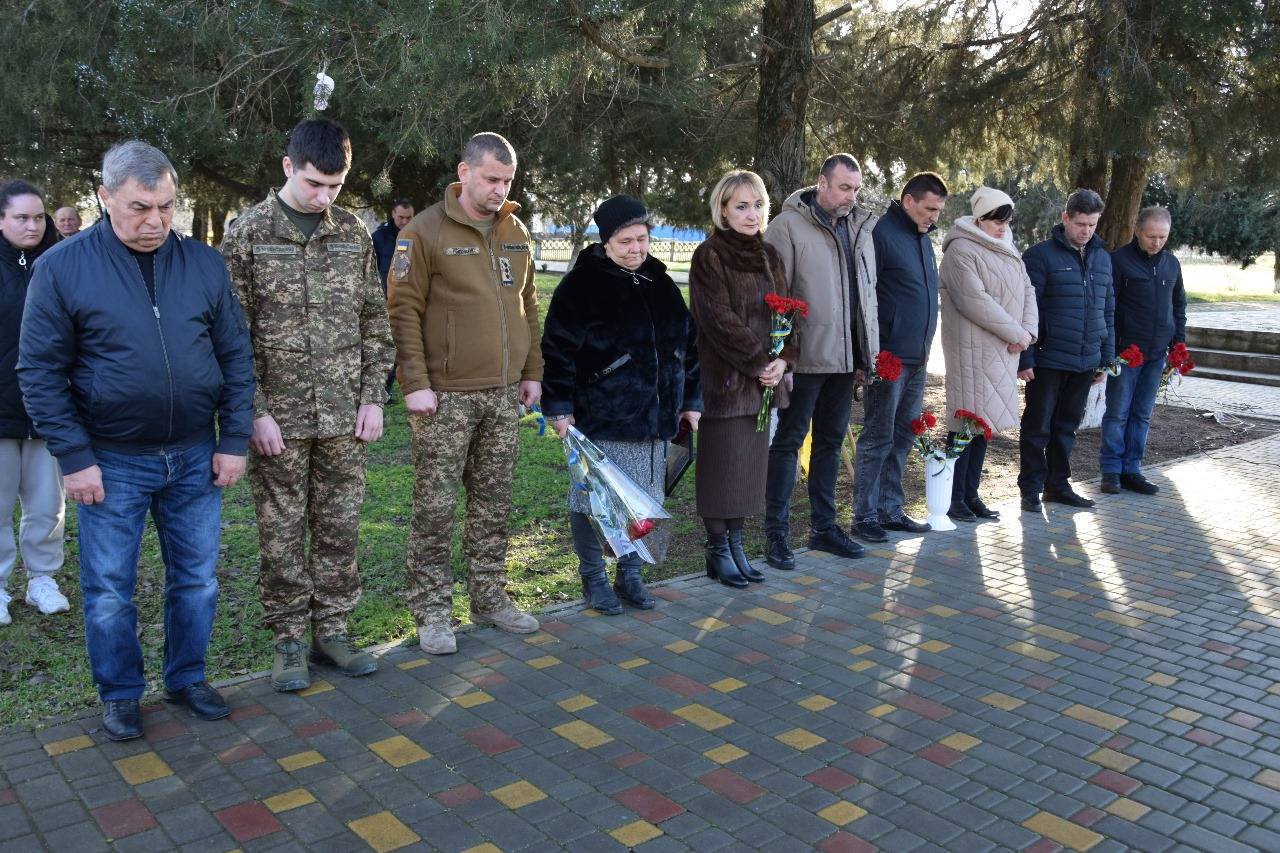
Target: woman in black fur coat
x=620, y=363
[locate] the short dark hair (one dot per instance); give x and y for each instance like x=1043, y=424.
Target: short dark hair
x=323, y=143
x=923, y=183
x=1084, y=201
x=493, y=144
x=13, y=189
x=1153, y=213
x=1003, y=213
x=401, y=202
x=839, y=159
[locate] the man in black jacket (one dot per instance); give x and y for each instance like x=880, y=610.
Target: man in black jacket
x=1151, y=313
x=132, y=343
x=384, y=247
x=1071, y=273
x=907, y=297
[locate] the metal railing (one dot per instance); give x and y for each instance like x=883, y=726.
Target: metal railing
x=550, y=247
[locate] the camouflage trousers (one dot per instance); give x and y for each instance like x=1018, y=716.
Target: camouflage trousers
x=315, y=486
x=472, y=438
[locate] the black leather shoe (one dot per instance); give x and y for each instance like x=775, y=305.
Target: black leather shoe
x=1138, y=483
x=870, y=531
x=778, y=554
x=1068, y=497
x=834, y=541
x=906, y=524
x=981, y=510
x=1031, y=503
x=960, y=511
x=122, y=719
x=1110, y=484
x=720, y=565
x=205, y=702
x=740, y=560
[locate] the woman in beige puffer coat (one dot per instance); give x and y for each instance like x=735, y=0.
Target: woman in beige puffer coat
x=989, y=316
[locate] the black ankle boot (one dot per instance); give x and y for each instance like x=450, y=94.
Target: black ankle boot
x=740, y=558
x=597, y=594
x=720, y=563
x=630, y=587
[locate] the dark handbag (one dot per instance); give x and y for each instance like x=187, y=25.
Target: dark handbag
x=680, y=454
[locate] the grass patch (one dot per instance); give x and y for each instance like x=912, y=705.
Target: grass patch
x=1230, y=296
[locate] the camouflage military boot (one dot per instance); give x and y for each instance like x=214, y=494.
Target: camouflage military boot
x=507, y=618
x=436, y=637
x=289, y=669
x=341, y=651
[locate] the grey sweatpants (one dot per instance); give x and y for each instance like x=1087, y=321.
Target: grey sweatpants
x=30, y=475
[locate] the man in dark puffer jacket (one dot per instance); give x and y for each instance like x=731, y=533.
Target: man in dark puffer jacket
x=1071, y=272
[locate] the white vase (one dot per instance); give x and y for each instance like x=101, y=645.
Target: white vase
x=937, y=491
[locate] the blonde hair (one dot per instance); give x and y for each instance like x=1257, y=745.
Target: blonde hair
x=730, y=184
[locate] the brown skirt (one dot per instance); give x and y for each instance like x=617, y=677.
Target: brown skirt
x=733, y=463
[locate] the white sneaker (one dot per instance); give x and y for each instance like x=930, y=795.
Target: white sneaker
x=43, y=594
x=5, y=618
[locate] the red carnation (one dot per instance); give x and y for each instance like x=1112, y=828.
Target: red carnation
x=785, y=305
x=1186, y=366
x=918, y=427
x=639, y=529
x=1132, y=356
x=888, y=366
x=929, y=418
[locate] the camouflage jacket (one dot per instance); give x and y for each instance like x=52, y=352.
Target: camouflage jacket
x=318, y=319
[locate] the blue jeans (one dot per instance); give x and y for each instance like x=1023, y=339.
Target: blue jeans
x=1130, y=398
x=177, y=487
x=883, y=445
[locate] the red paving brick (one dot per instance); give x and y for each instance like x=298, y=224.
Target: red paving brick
x=1088, y=816
x=407, y=719
x=866, y=745
x=1090, y=645
x=649, y=804
x=491, y=740
x=1221, y=648
x=1118, y=742
x=7, y=797
x=1204, y=737
x=248, y=821
x=793, y=640
x=495, y=658
x=1044, y=845
x=1248, y=721
x=164, y=730
x=316, y=727
x=557, y=627
x=1039, y=682
x=240, y=752
x=751, y=658
x=631, y=759
x=653, y=716
x=122, y=819
x=832, y=779
x=682, y=684
x=844, y=842
x=926, y=708
x=730, y=785
x=1115, y=782
x=459, y=796
x=490, y=679
x=247, y=712
x=924, y=672
x=669, y=594
x=943, y=756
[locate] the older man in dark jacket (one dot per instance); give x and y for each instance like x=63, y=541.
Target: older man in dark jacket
x=907, y=296
x=132, y=344
x=1151, y=313
x=1071, y=273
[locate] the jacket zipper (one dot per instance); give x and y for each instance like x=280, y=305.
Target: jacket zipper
x=502, y=309
x=155, y=309
x=866, y=342
x=844, y=288
x=26, y=283
x=657, y=372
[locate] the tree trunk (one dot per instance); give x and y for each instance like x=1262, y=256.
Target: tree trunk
x=218, y=224
x=1124, y=199
x=1091, y=173
x=199, y=223
x=786, y=60
x=1276, y=269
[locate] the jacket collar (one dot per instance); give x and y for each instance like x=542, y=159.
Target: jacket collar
x=1060, y=235
x=594, y=259
x=1137, y=247
x=107, y=235
x=965, y=228
x=453, y=207
x=282, y=226
x=897, y=213
x=799, y=202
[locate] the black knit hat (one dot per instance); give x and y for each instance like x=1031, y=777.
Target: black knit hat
x=616, y=212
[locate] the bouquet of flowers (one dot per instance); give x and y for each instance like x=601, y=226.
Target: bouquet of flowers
x=971, y=426
x=1177, y=363
x=784, y=310
x=1130, y=357
x=622, y=513
x=887, y=367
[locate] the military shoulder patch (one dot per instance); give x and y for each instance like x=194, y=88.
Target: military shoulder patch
x=274, y=249
x=343, y=247
x=515, y=247
x=462, y=250
x=400, y=260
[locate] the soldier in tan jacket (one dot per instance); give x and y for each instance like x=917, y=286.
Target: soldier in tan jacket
x=306, y=274
x=464, y=314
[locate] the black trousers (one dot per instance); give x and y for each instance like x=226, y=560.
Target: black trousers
x=1055, y=402
x=826, y=400
x=968, y=470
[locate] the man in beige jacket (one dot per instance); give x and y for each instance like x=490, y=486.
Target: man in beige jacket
x=464, y=315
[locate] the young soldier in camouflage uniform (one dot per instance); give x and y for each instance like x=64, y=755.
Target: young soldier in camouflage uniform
x=307, y=276
x=464, y=314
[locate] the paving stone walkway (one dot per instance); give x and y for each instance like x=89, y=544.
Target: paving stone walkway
x=1099, y=680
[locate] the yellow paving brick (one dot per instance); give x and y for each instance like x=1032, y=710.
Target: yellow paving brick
x=1003, y=701
x=935, y=646
x=634, y=663
x=1054, y=633
x=1250, y=625
x=725, y=753
x=709, y=624
x=862, y=649
x=816, y=702
x=543, y=662
x=951, y=553
x=787, y=597
x=1033, y=651
x=862, y=665
x=1160, y=679
x=1066, y=833
x=71, y=744
x=384, y=832
x=882, y=616
x=941, y=610
x=1185, y=575
x=635, y=833
x=399, y=751
x=727, y=685
x=470, y=700
x=960, y=742
x=1113, y=760
x=413, y=664
x=1094, y=717
x=1270, y=778
x=317, y=686
x=299, y=760
x=919, y=581
x=679, y=647
x=1275, y=688
x=860, y=586
x=542, y=639
x=1183, y=715
x=576, y=703
x=1123, y=807
x=1069, y=561
x=764, y=614
x=842, y=813
x=296, y=798
x=487, y=847
x=582, y=734
x=1163, y=549
x=805, y=580
x=801, y=739
x=1097, y=584
x=881, y=710
x=1063, y=592
x=1158, y=609
x=1120, y=618
x=701, y=715
x=518, y=794
x=145, y=767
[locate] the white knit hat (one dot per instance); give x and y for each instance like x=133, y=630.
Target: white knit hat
x=986, y=199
